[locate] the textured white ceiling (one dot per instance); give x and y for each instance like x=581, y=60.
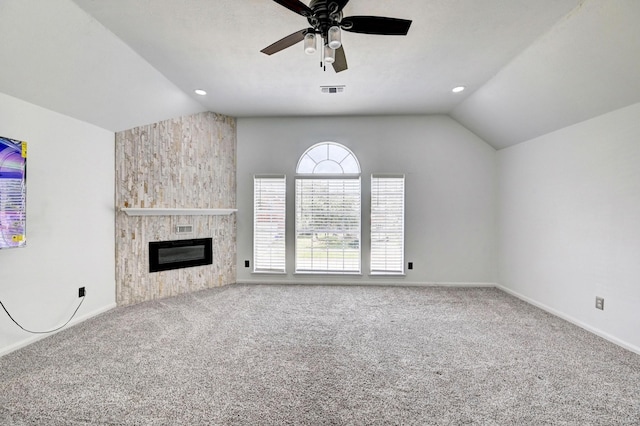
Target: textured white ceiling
x=586, y=65
x=56, y=56
x=530, y=66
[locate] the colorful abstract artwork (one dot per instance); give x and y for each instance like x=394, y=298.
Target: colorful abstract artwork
x=13, y=193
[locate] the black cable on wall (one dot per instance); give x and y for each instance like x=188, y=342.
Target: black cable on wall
x=43, y=332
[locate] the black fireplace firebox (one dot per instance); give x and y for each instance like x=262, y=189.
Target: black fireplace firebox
x=166, y=255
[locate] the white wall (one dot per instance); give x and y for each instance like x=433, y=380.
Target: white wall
x=450, y=190
x=569, y=223
x=70, y=223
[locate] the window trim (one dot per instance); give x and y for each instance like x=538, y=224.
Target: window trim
x=343, y=157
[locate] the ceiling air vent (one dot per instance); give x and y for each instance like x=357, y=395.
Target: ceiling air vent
x=184, y=229
x=332, y=89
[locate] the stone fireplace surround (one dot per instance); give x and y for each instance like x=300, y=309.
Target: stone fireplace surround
x=176, y=172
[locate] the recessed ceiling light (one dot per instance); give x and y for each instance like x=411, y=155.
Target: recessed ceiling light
x=458, y=89
x=200, y=92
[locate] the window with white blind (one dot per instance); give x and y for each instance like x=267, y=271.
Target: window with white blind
x=328, y=210
x=387, y=224
x=269, y=223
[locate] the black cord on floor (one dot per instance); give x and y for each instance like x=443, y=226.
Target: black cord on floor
x=43, y=332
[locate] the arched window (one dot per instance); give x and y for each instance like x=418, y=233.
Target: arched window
x=328, y=158
x=328, y=210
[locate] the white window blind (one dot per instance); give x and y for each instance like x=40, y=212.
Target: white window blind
x=328, y=225
x=269, y=223
x=387, y=224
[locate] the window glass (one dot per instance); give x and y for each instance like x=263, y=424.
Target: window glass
x=318, y=158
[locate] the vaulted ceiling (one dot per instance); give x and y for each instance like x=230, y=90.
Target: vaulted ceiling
x=529, y=67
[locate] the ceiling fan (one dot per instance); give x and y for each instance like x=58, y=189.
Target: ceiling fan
x=326, y=20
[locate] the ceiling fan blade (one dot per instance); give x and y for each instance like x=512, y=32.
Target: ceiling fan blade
x=340, y=63
x=375, y=25
x=297, y=6
x=339, y=3
x=288, y=41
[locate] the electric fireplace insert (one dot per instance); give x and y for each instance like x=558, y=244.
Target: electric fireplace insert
x=167, y=255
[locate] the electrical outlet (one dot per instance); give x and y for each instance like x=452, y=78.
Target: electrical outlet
x=81, y=292
x=600, y=303
x=246, y=263
x=410, y=266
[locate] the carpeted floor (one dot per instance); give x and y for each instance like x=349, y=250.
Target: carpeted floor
x=321, y=355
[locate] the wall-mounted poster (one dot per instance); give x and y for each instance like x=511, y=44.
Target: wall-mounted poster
x=13, y=193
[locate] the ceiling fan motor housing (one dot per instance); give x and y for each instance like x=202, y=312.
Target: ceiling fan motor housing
x=325, y=15
x=326, y=20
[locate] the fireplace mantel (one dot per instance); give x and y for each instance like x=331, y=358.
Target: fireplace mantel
x=132, y=211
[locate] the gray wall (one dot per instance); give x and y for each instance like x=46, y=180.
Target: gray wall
x=69, y=223
x=569, y=209
x=186, y=162
x=450, y=190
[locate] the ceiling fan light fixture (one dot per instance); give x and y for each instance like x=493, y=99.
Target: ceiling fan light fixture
x=329, y=55
x=326, y=21
x=335, y=37
x=310, y=43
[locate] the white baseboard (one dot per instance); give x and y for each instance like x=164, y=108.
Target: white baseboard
x=35, y=338
x=572, y=320
x=542, y=306
x=375, y=282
